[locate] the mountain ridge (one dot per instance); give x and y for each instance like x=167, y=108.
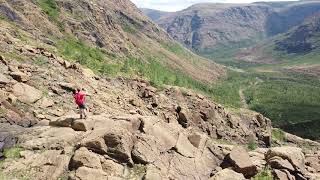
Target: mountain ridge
x=267, y=19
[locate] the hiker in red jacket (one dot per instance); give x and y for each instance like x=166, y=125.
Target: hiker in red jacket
x=80, y=100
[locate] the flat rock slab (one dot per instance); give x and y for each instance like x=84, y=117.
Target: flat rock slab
x=26, y=94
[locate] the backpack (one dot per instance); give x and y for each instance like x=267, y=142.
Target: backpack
x=79, y=98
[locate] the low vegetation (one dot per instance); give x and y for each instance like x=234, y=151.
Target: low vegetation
x=12, y=153
x=52, y=10
x=252, y=145
x=264, y=175
x=278, y=135
x=286, y=98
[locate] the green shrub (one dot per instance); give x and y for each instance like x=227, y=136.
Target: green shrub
x=41, y=61
x=12, y=152
x=266, y=174
x=51, y=8
x=94, y=58
x=278, y=134
x=3, y=111
x=129, y=28
x=252, y=145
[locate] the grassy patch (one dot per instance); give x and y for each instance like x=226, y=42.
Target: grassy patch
x=252, y=145
x=3, y=111
x=158, y=74
x=41, y=61
x=264, y=175
x=136, y=172
x=51, y=8
x=96, y=59
x=129, y=28
x=278, y=135
x=12, y=153
x=45, y=92
x=178, y=50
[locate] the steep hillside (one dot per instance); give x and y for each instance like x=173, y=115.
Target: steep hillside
x=154, y=14
x=218, y=31
x=134, y=130
x=114, y=32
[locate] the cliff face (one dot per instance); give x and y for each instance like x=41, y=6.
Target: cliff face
x=206, y=27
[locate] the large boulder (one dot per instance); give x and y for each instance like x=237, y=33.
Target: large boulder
x=184, y=146
x=48, y=138
x=145, y=150
x=82, y=125
x=112, y=168
x=83, y=157
x=63, y=122
x=166, y=133
x=313, y=161
x=279, y=163
x=240, y=161
x=257, y=158
x=45, y=103
x=26, y=94
x=120, y=144
x=20, y=76
x=3, y=79
x=227, y=174
x=292, y=154
x=282, y=175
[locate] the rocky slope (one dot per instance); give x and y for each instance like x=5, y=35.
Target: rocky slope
x=144, y=133
x=116, y=29
x=208, y=28
x=134, y=130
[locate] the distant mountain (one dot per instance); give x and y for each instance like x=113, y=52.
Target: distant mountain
x=302, y=39
x=154, y=14
x=213, y=28
x=300, y=44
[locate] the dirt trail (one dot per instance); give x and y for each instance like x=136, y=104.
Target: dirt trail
x=243, y=99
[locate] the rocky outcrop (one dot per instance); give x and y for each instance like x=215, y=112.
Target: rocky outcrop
x=239, y=160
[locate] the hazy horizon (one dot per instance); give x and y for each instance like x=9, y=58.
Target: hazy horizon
x=177, y=5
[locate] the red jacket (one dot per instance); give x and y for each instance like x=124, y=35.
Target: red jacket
x=79, y=98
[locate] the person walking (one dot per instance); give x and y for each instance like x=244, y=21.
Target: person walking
x=80, y=100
